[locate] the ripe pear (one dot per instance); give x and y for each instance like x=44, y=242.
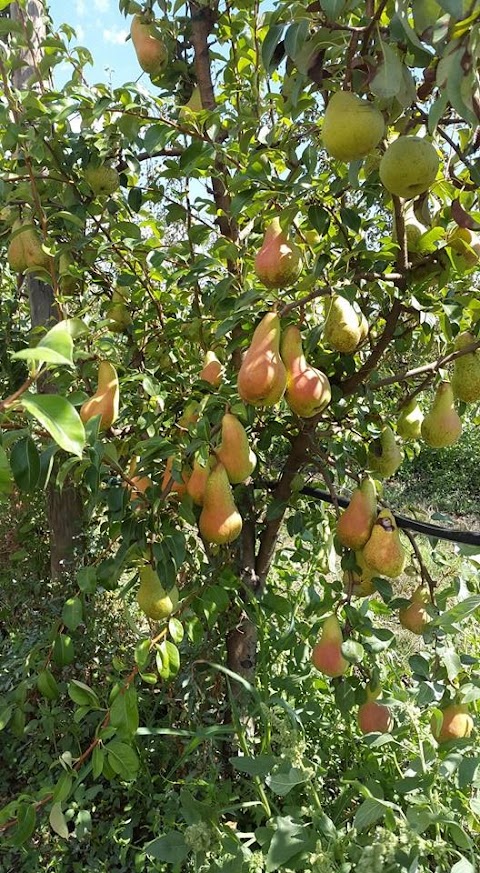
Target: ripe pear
x=343, y=328
x=456, y=724
x=352, y=127
x=220, y=521
x=308, y=389
x=169, y=482
x=198, y=480
x=102, y=179
x=277, y=264
x=466, y=371
x=234, y=451
x=327, y=653
x=25, y=248
x=414, y=617
x=409, y=423
x=384, y=455
x=409, y=166
x=442, y=425
x=149, y=47
x=373, y=717
x=262, y=377
x=356, y=522
x=358, y=583
x=212, y=370
x=105, y=401
x=152, y=598
x=384, y=553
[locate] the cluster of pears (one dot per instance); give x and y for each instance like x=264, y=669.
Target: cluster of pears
x=105, y=402
x=353, y=128
x=149, y=47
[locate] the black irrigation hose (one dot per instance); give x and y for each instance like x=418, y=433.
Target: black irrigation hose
x=469, y=538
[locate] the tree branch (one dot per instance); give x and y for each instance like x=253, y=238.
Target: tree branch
x=350, y=385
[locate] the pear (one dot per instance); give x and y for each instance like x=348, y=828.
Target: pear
x=466, y=371
x=308, y=389
x=25, y=248
x=409, y=166
x=456, y=724
x=352, y=127
x=234, y=451
x=384, y=455
x=198, y=480
x=355, y=524
x=414, y=617
x=465, y=246
x=358, y=583
x=105, y=401
x=409, y=423
x=327, y=653
x=212, y=370
x=68, y=283
x=169, y=482
x=442, y=425
x=374, y=717
x=102, y=179
x=220, y=521
x=277, y=264
x=194, y=104
x=262, y=377
x=384, y=553
x=152, y=598
x=141, y=483
x=343, y=328
x=118, y=314
x=149, y=47
x=190, y=414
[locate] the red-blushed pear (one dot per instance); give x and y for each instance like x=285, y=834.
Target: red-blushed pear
x=327, y=653
x=414, y=617
x=106, y=400
x=466, y=370
x=149, y=47
x=212, y=370
x=172, y=484
x=262, y=377
x=456, y=723
x=277, y=264
x=234, y=451
x=352, y=127
x=442, y=425
x=384, y=454
x=409, y=423
x=358, y=583
x=384, y=553
x=356, y=522
x=373, y=717
x=197, y=482
x=152, y=598
x=308, y=389
x=220, y=521
x=25, y=248
x=139, y=483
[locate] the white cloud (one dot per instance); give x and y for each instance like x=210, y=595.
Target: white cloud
x=115, y=36
x=81, y=8
x=80, y=31
x=101, y=5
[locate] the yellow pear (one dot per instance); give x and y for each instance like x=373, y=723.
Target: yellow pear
x=466, y=371
x=409, y=166
x=456, y=724
x=308, y=389
x=409, y=423
x=277, y=264
x=414, y=617
x=352, y=127
x=359, y=582
x=25, y=248
x=102, y=179
x=262, y=377
x=152, y=598
x=384, y=455
x=343, y=328
x=234, y=451
x=384, y=553
x=327, y=653
x=149, y=47
x=442, y=425
x=105, y=401
x=212, y=370
x=220, y=521
x=197, y=482
x=356, y=522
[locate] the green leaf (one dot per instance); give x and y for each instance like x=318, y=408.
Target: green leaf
x=56, y=347
x=25, y=464
x=389, y=76
x=72, y=612
x=175, y=629
x=6, y=478
x=59, y=418
x=371, y=810
x=63, y=652
x=62, y=788
x=289, y=838
x=124, y=712
x=259, y=766
x=142, y=654
x=122, y=759
x=171, y=848
x=269, y=45
x=57, y=821
x=283, y=782
x=98, y=759
x=333, y=8
x=5, y=716
x=26, y=819
x=82, y=694
x=463, y=866
x=458, y=613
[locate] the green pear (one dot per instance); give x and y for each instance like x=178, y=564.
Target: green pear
x=409, y=423
x=25, y=248
x=355, y=524
x=384, y=455
x=409, y=166
x=343, y=328
x=465, y=247
x=384, y=553
x=117, y=313
x=68, y=283
x=277, y=264
x=442, y=425
x=152, y=598
x=414, y=617
x=327, y=653
x=308, y=389
x=234, y=451
x=220, y=521
x=193, y=105
x=466, y=371
x=262, y=377
x=102, y=179
x=352, y=127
